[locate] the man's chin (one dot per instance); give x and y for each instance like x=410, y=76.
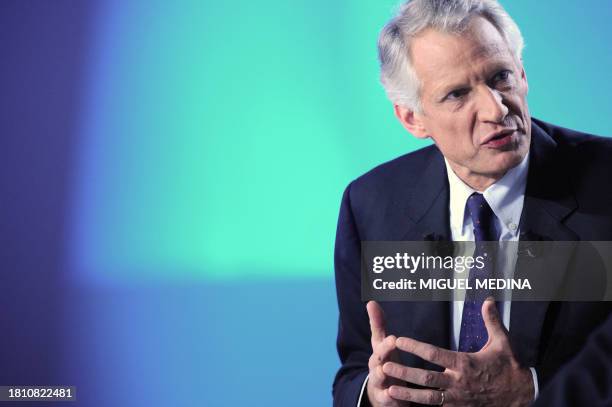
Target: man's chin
x=503, y=162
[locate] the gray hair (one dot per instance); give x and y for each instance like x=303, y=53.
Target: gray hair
x=449, y=16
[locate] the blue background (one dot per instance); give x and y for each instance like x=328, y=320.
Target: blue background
x=171, y=174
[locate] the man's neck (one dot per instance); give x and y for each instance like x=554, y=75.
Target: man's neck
x=478, y=182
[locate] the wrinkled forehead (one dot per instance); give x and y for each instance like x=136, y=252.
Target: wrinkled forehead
x=436, y=54
x=478, y=39
x=489, y=50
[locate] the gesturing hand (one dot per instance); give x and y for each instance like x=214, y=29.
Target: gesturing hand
x=383, y=350
x=489, y=377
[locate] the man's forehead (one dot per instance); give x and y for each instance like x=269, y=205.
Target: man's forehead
x=489, y=50
x=440, y=56
x=440, y=46
x=479, y=39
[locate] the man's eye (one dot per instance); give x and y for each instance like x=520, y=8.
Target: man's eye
x=457, y=94
x=502, y=76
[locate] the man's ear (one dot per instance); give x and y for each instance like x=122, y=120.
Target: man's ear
x=411, y=121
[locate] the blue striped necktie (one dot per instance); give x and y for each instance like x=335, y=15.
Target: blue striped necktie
x=473, y=335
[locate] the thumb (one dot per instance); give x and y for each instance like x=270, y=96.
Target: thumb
x=377, y=322
x=491, y=318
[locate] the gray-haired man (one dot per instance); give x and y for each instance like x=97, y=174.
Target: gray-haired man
x=454, y=73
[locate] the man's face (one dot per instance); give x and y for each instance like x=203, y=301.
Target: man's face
x=473, y=93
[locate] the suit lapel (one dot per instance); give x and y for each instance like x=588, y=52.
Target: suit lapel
x=427, y=208
x=548, y=202
x=548, y=198
x=428, y=217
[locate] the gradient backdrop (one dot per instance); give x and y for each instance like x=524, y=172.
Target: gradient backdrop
x=172, y=174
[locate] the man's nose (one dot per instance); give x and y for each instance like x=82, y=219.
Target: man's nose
x=491, y=107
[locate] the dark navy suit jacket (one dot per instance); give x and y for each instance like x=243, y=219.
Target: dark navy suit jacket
x=587, y=379
x=568, y=198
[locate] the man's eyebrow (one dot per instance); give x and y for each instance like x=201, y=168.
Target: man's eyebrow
x=442, y=91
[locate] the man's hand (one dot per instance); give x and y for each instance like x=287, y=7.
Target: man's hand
x=383, y=350
x=489, y=377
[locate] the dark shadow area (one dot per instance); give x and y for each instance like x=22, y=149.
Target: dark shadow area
x=43, y=52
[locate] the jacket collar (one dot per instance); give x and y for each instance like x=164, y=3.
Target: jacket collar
x=549, y=199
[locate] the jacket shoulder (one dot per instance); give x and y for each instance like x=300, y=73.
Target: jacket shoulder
x=579, y=143
x=401, y=172
x=585, y=162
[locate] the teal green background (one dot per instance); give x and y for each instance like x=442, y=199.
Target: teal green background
x=217, y=137
x=215, y=141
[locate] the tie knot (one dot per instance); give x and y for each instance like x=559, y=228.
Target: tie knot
x=482, y=218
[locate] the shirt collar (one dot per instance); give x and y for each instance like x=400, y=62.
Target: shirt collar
x=505, y=197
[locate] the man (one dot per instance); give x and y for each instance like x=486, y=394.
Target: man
x=453, y=71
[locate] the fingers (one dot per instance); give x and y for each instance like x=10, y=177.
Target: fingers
x=382, y=398
x=491, y=318
x=377, y=377
x=378, y=381
x=429, y=397
x=377, y=322
x=379, y=356
x=413, y=375
x=430, y=353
